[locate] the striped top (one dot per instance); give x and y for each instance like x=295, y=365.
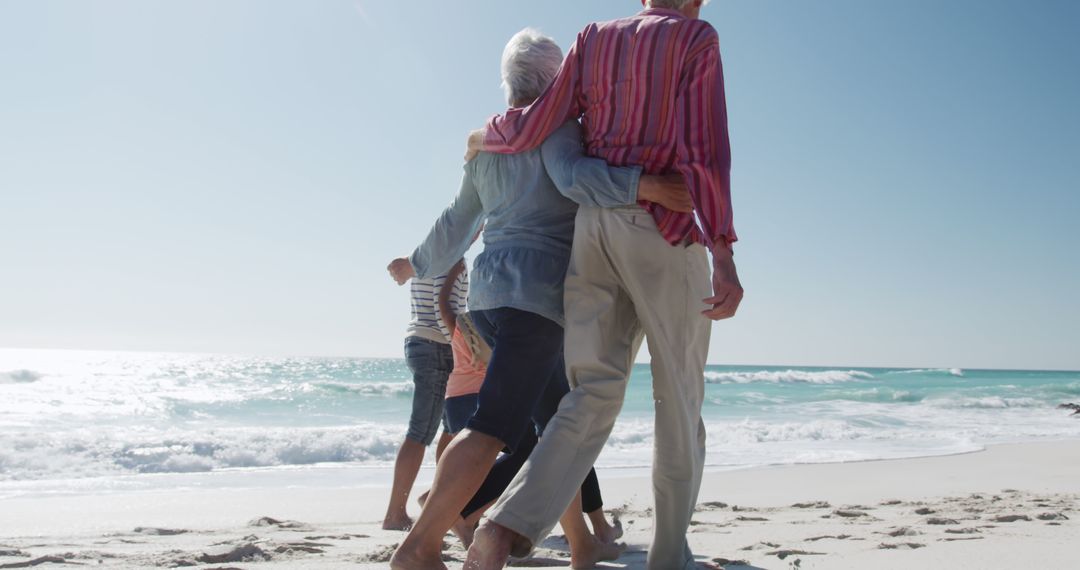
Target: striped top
x=650, y=92
x=426, y=321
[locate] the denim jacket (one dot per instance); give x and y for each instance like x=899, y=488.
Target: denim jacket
x=526, y=203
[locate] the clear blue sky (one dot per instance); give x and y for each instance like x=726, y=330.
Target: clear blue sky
x=197, y=175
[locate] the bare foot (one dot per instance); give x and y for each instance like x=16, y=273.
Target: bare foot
x=465, y=531
x=491, y=547
x=610, y=533
x=411, y=560
x=595, y=551
x=400, y=522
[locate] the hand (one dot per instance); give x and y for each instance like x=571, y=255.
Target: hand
x=450, y=320
x=727, y=291
x=401, y=270
x=474, y=144
x=668, y=190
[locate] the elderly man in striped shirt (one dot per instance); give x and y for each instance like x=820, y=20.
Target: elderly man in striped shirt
x=649, y=91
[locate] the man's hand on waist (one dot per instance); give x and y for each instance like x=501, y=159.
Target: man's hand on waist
x=668, y=190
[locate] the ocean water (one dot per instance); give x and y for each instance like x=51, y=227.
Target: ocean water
x=75, y=421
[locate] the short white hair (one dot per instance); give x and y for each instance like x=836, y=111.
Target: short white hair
x=529, y=63
x=673, y=4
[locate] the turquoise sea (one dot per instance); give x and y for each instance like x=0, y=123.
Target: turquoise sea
x=73, y=420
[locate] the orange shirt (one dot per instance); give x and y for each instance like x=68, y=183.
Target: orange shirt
x=468, y=374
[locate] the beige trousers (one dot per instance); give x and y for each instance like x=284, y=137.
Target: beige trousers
x=624, y=281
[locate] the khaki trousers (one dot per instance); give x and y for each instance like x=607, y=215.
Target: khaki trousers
x=624, y=281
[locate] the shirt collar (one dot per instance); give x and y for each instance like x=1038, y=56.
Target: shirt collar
x=661, y=12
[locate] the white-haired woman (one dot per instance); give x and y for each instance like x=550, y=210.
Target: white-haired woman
x=527, y=203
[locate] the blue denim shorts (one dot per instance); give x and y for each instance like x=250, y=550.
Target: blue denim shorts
x=431, y=363
x=459, y=410
x=525, y=378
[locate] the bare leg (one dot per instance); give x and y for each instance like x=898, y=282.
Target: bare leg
x=410, y=456
x=463, y=468
x=465, y=529
x=444, y=440
x=585, y=549
x=602, y=529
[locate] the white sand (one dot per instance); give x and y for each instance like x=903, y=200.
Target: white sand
x=339, y=528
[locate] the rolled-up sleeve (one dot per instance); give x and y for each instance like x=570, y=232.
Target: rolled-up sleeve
x=703, y=149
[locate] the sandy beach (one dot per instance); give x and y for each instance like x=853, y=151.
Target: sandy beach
x=1008, y=506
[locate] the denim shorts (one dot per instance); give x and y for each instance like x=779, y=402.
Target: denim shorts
x=526, y=377
x=459, y=410
x=431, y=363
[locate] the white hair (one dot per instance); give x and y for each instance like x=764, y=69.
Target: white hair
x=529, y=63
x=673, y=4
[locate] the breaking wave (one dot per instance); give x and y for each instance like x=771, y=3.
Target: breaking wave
x=958, y=372
x=370, y=389
x=32, y=456
x=787, y=376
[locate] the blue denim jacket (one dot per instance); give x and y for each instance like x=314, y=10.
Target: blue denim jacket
x=528, y=202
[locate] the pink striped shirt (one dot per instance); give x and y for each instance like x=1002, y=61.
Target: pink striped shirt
x=649, y=90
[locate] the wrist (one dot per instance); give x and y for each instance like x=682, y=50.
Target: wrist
x=645, y=188
x=722, y=248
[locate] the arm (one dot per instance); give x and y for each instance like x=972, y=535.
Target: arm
x=452, y=233
x=702, y=148
x=593, y=182
x=583, y=179
x=523, y=129
x=704, y=158
x=449, y=317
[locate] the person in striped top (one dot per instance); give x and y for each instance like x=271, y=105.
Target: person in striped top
x=649, y=92
x=435, y=303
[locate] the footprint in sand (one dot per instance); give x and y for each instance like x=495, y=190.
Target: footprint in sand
x=901, y=546
x=760, y=546
x=242, y=553
x=968, y=530
x=832, y=536
x=902, y=531
x=812, y=505
x=36, y=562
x=159, y=531
x=379, y=555
x=1011, y=518
x=270, y=521
x=782, y=554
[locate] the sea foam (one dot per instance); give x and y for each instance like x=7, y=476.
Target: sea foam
x=787, y=376
x=30, y=455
